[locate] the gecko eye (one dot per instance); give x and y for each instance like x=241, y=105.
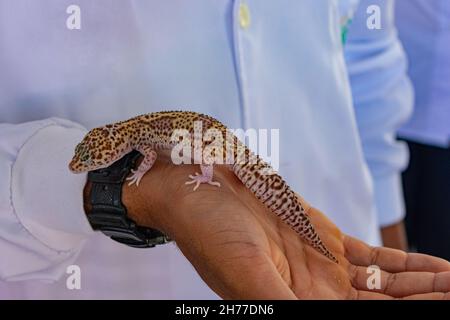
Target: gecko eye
x=80, y=148
x=84, y=157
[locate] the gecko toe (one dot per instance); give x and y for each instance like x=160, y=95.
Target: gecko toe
x=197, y=185
x=135, y=178
x=214, y=183
x=199, y=179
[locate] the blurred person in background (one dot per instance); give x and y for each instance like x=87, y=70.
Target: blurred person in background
x=251, y=64
x=424, y=29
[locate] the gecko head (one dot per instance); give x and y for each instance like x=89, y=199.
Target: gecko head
x=98, y=149
x=82, y=160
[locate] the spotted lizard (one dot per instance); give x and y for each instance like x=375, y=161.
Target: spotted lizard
x=153, y=132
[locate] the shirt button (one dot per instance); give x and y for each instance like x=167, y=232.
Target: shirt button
x=244, y=16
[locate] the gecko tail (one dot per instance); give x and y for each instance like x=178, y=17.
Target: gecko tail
x=276, y=195
x=311, y=237
x=322, y=249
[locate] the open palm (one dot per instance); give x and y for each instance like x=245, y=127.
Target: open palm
x=243, y=251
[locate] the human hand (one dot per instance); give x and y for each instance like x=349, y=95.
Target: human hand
x=243, y=251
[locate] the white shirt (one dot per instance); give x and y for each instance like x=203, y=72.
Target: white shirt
x=424, y=28
x=285, y=70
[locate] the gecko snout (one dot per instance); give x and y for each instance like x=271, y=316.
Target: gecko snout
x=74, y=166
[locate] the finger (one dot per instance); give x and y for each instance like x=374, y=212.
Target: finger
x=429, y=296
x=391, y=260
x=364, y=295
x=367, y=295
x=400, y=284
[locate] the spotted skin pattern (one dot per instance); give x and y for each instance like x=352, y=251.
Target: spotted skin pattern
x=152, y=132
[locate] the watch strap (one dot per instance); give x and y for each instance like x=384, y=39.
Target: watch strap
x=109, y=215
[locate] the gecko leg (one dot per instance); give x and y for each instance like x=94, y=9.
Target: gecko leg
x=205, y=177
x=146, y=164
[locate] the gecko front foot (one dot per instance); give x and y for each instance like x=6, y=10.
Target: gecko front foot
x=135, y=177
x=198, y=179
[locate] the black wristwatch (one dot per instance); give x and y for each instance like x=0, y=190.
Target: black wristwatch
x=107, y=212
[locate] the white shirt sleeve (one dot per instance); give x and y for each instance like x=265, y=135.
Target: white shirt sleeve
x=383, y=99
x=42, y=221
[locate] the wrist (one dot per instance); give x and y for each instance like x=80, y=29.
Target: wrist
x=137, y=208
x=394, y=236
x=86, y=195
x=141, y=209
x=111, y=209
x=150, y=203
x=143, y=204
